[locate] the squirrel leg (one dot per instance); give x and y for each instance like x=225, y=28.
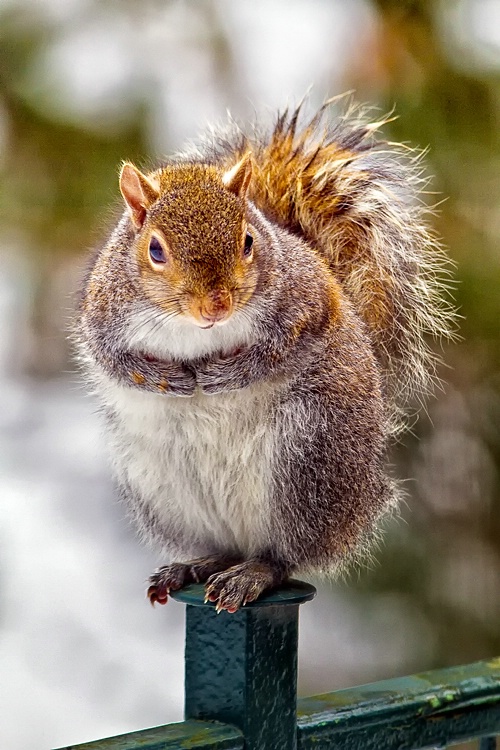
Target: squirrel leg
x=144, y=372
x=176, y=575
x=243, y=583
x=254, y=364
x=235, y=371
x=155, y=376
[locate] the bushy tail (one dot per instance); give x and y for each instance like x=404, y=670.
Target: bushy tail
x=357, y=199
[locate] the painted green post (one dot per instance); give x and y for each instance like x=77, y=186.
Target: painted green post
x=488, y=743
x=241, y=668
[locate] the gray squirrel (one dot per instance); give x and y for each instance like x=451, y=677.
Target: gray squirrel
x=254, y=328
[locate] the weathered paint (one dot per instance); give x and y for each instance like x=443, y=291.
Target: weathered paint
x=242, y=668
x=186, y=735
x=433, y=709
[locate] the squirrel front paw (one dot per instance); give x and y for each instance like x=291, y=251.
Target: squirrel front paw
x=223, y=374
x=170, y=378
x=179, y=381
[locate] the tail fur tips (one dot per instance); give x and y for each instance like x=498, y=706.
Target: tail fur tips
x=358, y=199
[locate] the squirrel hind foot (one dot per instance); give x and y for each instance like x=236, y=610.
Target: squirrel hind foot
x=178, y=574
x=242, y=584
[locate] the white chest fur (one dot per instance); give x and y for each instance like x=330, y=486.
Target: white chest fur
x=177, y=336
x=202, y=465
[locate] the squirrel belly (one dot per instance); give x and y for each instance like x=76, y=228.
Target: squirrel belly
x=253, y=328
x=196, y=474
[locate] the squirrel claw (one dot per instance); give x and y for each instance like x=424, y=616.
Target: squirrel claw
x=164, y=580
x=157, y=596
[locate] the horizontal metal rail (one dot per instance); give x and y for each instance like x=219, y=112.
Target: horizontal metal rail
x=186, y=735
x=241, y=674
x=433, y=709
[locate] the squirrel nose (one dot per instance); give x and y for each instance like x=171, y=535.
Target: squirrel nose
x=216, y=305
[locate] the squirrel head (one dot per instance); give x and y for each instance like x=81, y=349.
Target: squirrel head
x=193, y=244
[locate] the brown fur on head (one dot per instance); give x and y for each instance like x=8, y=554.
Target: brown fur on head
x=196, y=214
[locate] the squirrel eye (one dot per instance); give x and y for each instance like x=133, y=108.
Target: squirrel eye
x=248, y=244
x=156, y=252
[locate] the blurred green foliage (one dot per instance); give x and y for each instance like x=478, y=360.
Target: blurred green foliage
x=456, y=112
x=56, y=176
x=449, y=560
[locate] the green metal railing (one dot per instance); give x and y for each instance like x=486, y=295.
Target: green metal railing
x=241, y=677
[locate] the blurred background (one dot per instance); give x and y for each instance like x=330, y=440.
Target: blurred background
x=87, y=83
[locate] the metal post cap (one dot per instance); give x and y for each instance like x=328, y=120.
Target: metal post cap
x=291, y=592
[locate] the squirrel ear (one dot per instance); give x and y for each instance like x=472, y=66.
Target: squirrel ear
x=138, y=191
x=237, y=179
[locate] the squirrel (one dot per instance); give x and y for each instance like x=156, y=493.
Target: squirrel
x=255, y=328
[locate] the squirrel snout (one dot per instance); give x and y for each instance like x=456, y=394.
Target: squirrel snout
x=215, y=306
